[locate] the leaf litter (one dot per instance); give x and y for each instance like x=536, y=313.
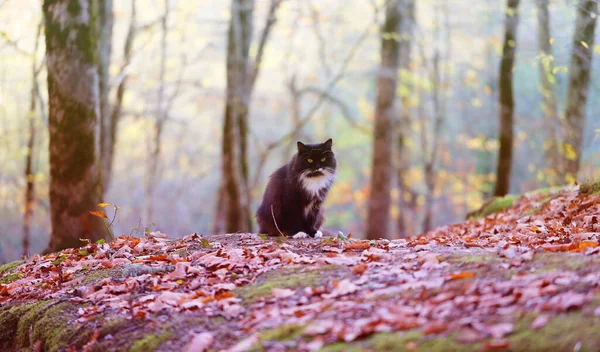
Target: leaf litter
x=473, y=279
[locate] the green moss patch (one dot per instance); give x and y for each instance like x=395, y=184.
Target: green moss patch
x=10, y=267
x=290, y=278
x=590, y=188
x=493, y=206
x=563, y=333
x=150, y=342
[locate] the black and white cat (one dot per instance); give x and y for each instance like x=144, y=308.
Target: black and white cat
x=293, y=201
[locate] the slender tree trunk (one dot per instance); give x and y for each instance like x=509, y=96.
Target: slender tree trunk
x=159, y=121
x=506, y=100
x=105, y=29
x=379, y=199
x=547, y=87
x=115, y=115
x=29, y=174
x=579, y=82
x=234, y=166
x=407, y=24
x=242, y=73
x=73, y=94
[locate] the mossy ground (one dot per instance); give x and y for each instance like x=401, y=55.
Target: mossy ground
x=493, y=206
x=589, y=188
x=289, y=278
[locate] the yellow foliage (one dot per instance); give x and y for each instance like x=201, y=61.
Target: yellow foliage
x=570, y=153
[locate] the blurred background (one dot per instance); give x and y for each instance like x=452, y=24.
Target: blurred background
x=316, y=66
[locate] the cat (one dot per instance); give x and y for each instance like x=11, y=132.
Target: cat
x=293, y=201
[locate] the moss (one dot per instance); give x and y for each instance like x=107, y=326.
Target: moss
x=10, y=267
x=282, y=278
x=401, y=341
x=92, y=277
x=55, y=329
x=28, y=315
x=562, y=333
x=590, y=188
x=547, y=262
x=282, y=333
x=150, y=342
x=493, y=206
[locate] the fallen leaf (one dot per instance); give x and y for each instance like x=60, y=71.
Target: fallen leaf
x=200, y=343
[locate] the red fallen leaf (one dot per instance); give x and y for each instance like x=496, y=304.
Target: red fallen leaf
x=223, y=295
x=497, y=345
x=462, y=275
x=99, y=214
x=107, y=264
x=360, y=269
x=435, y=327
x=357, y=246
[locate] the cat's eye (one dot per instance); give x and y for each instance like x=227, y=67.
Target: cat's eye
x=310, y=161
x=323, y=159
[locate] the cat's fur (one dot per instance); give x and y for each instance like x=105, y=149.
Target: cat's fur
x=296, y=192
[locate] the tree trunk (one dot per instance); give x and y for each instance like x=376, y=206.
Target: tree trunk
x=73, y=94
x=105, y=29
x=29, y=174
x=407, y=24
x=379, y=199
x=579, y=81
x=234, y=148
x=154, y=161
x=506, y=99
x=547, y=88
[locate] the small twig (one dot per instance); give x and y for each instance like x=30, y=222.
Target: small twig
x=275, y=221
x=60, y=274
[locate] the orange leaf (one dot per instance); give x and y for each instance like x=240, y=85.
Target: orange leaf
x=584, y=244
x=435, y=328
x=463, y=275
x=99, y=214
x=357, y=246
x=102, y=205
x=360, y=268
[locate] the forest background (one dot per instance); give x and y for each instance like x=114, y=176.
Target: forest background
x=317, y=78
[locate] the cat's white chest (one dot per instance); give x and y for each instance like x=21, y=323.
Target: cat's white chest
x=314, y=185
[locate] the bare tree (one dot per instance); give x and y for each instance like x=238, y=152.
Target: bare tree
x=548, y=90
x=73, y=93
x=579, y=81
x=242, y=72
x=29, y=173
x=379, y=199
x=105, y=28
x=506, y=100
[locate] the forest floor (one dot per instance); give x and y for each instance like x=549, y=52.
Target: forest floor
x=522, y=279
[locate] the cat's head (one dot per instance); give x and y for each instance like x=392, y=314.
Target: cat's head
x=316, y=160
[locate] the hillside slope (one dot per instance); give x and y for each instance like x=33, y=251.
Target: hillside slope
x=524, y=279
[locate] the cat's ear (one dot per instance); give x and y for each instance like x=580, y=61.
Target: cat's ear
x=301, y=147
x=328, y=144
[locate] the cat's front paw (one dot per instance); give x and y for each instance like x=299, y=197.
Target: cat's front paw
x=300, y=234
x=318, y=234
